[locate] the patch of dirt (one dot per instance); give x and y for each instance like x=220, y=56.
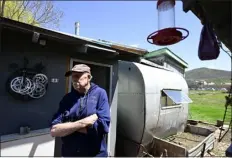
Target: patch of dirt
x=189, y=140
x=219, y=147
x=186, y=139
x=208, y=126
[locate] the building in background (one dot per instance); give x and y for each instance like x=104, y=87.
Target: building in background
x=165, y=57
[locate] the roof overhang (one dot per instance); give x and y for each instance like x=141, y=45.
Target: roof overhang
x=166, y=52
x=83, y=44
x=216, y=12
x=100, y=48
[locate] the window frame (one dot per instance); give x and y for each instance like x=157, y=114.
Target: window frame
x=174, y=105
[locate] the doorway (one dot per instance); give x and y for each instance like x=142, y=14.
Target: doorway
x=102, y=76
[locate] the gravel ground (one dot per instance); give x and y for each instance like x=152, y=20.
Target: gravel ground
x=220, y=147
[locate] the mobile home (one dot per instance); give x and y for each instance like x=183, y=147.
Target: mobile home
x=43, y=56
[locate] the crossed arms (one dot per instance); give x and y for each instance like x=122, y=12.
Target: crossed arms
x=99, y=122
x=64, y=129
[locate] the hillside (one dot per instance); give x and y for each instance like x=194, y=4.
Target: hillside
x=210, y=75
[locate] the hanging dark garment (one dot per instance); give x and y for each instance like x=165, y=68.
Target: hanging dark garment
x=208, y=46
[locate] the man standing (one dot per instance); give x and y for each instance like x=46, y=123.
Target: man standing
x=83, y=118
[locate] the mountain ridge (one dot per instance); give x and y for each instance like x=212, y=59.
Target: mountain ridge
x=208, y=74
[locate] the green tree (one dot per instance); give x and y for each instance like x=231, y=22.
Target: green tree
x=37, y=13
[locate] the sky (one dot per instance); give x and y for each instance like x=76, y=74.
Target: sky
x=130, y=22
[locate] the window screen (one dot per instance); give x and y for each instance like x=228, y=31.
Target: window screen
x=177, y=96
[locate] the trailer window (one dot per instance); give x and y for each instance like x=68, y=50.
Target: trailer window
x=174, y=97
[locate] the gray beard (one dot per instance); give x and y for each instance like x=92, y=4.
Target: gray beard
x=82, y=89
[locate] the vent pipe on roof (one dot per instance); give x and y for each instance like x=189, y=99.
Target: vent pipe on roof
x=77, y=28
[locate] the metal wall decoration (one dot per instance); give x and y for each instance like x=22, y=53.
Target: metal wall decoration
x=27, y=83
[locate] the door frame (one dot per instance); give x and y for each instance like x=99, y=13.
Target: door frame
x=92, y=63
x=110, y=87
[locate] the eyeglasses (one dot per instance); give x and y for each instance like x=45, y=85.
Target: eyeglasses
x=79, y=80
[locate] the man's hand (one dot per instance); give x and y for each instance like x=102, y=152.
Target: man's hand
x=86, y=122
x=89, y=121
x=63, y=129
x=83, y=130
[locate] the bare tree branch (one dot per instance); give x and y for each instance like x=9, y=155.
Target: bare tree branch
x=16, y=9
x=41, y=13
x=47, y=11
x=25, y=4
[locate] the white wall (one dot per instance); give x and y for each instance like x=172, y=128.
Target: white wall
x=175, y=67
x=170, y=64
x=42, y=145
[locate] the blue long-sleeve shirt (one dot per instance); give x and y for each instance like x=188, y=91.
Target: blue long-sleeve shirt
x=75, y=106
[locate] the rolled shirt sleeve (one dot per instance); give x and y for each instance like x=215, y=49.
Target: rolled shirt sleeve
x=101, y=126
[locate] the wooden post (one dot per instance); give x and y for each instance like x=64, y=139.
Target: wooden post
x=0, y=36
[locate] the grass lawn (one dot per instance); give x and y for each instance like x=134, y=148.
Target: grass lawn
x=207, y=106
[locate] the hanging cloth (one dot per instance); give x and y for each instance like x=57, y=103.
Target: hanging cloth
x=208, y=46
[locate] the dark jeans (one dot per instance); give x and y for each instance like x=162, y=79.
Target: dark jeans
x=102, y=154
x=229, y=151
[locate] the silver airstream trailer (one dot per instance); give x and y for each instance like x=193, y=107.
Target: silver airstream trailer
x=151, y=102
